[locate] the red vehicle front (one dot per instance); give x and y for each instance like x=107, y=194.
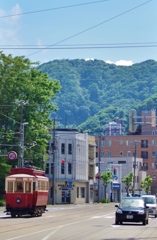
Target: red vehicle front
x=26, y=192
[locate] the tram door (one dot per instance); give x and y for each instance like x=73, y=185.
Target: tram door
x=65, y=196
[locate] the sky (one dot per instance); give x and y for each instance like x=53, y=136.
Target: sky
x=123, y=32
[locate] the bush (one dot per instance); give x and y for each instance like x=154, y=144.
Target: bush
x=105, y=200
x=2, y=202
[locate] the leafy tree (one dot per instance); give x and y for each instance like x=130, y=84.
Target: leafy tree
x=128, y=180
x=146, y=184
x=107, y=178
x=20, y=81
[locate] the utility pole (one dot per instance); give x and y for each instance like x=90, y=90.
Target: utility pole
x=54, y=177
x=21, y=146
x=134, y=166
x=99, y=169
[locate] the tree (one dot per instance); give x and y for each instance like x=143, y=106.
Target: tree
x=128, y=180
x=21, y=81
x=145, y=184
x=107, y=178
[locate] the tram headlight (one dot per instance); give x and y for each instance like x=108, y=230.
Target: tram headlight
x=18, y=200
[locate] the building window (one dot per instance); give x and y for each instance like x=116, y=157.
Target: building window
x=62, y=148
x=47, y=168
x=102, y=143
x=82, y=192
x=145, y=166
x=96, y=143
x=153, y=154
x=109, y=154
x=121, y=142
x=144, y=155
x=128, y=154
x=62, y=168
x=96, y=154
x=78, y=192
x=137, y=179
x=121, y=162
x=153, y=165
x=121, y=153
x=127, y=143
x=69, y=148
x=144, y=143
x=154, y=177
x=153, y=142
x=51, y=168
x=109, y=143
x=69, y=168
x=102, y=154
x=153, y=133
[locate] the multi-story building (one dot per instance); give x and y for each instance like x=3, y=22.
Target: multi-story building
x=120, y=167
x=140, y=146
x=68, y=167
x=92, y=166
x=113, y=128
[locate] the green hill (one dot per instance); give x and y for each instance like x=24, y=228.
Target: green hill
x=94, y=92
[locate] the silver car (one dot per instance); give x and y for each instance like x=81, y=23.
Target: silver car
x=151, y=202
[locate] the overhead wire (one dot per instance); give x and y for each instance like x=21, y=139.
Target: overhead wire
x=90, y=28
x=52, y=9
x=85, y=46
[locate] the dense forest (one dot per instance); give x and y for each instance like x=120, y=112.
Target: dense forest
x=94, y=92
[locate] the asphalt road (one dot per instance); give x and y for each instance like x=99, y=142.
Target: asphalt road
x=75, y=222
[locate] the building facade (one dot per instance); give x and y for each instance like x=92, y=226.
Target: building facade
x=120, y=167
x=68, y=167
x=143, y=146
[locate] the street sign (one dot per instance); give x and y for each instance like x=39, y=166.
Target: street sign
x=12, y=155
x=70, y=184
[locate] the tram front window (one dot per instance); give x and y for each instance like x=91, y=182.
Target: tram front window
x=19, y=187
x=28, y=186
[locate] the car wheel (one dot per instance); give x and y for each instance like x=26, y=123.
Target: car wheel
x=116, y=222
x=155, y=215
x=144, y=222
x=121, y=223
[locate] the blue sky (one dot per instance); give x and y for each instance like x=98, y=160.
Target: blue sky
x=95, y=29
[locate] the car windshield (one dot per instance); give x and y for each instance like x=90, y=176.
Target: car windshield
x=132, y=203
x=149, y=200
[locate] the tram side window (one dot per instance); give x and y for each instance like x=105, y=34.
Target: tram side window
x=47, y=185
x=19, y=186
x=33, y=186
x=10, y=186
x=28, y=186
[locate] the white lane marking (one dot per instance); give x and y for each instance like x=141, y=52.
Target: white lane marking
x=49, y=229
x=50, y=234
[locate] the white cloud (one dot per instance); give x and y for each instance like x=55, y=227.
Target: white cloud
x=121, y=62
x=89, y=59
x=12, y=17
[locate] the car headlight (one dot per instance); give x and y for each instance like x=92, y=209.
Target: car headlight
x=119, y=211
x=141, y=212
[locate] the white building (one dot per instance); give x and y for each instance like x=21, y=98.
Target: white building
x=113, y=128
x=123, y=166
x=68, y=150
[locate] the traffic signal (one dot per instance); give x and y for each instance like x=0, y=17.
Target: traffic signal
x=115, y=171
x=62, y=163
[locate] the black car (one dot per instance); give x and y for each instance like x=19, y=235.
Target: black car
x=131, y=209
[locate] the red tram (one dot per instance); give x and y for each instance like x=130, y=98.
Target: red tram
x=26, y=192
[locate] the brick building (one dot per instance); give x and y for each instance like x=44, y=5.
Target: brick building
x=124, y=146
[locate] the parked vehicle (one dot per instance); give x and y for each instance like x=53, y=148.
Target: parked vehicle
x=26, y=192
x=131, y=209
x=151, y=202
